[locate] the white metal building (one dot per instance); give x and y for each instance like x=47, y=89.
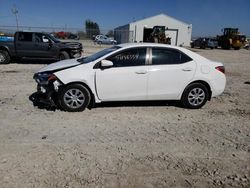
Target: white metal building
x=178, y=31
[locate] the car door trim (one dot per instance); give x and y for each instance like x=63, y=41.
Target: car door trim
x=149, y=56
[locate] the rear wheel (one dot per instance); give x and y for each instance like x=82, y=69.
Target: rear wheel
x=195, y=96
x=63, y=55
x=4, y=57
x=203, y=46
x=74, y=98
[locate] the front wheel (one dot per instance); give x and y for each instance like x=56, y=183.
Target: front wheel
x=4, y=57
x=74, y=98
x=195, y=96
x=63, y=55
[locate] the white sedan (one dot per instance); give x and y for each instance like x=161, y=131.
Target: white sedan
x=131, y=72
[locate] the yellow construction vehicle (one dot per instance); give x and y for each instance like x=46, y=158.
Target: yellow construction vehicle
x=231, y=38
x=156, y=35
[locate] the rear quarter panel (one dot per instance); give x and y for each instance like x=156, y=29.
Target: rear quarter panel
x=206, y=71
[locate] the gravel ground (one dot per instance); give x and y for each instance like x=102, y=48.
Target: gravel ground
x=126, y=144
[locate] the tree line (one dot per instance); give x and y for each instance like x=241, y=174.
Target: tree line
x=93, y=29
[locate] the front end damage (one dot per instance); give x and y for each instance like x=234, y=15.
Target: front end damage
x=47, y=89
x=75, y=49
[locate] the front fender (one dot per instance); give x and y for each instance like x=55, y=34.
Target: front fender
x=78, y=74
x=5, y=48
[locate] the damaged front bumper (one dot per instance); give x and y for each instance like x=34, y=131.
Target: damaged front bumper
x=76, y=53
x=47, y=89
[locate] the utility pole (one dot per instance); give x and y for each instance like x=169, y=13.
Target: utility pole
x=15, y=12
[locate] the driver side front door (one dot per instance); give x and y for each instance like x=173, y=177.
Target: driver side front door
x=126, y=80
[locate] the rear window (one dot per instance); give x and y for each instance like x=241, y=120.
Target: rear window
x=165, y=56
x=25, y=37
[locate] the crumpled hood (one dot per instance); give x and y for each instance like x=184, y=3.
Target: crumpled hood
x=60, y=65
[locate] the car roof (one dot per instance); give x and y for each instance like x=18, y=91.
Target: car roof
x=146, y=44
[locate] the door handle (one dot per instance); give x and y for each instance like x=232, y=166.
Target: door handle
x=141, y=72
x=187, y=69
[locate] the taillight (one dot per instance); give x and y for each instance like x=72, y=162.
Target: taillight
x=220, y=68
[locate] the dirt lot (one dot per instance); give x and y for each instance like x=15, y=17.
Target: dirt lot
x=126, y=145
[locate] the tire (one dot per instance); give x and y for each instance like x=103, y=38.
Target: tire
x=4, y=57
x=195, y=96
x=203, y=46
x=236, y=48
x=74, y=98
x=63, y=55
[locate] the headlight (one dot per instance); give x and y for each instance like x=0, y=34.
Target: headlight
x=44, y=78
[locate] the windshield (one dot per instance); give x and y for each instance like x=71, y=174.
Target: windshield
x=98, y=55
x=54, y=39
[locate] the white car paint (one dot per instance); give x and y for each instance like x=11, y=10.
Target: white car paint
x=59, y=65
x=167, y=81
x=149, y=82
x=122, y=84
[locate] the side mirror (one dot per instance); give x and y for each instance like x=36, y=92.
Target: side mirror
x=106, y=64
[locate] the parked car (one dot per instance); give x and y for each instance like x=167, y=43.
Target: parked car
x=131, y=72
x=102, y=39
x=205, y=43
x=65, y=35
x=73, y=36
x=35, y=45
x=6, y=38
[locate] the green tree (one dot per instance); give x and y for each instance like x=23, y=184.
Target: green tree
x=92, y=28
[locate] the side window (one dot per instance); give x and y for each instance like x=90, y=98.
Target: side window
x=161, y=56
x=25, y=37
x=131, y=57
x=38, y=37
x=185, y=58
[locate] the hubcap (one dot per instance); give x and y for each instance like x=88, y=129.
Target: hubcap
x=74, y=98
x=2, y=58
x=196, y=96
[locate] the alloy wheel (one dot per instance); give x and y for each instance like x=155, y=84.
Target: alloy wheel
x=196, y=96
x=74, y=98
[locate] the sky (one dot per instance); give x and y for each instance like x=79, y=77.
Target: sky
x=207, y=17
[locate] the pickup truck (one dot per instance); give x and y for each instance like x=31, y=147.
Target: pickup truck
x=37, y=45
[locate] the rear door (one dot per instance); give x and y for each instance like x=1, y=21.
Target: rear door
x=126, y=80
x=24, y=44
x=169, y=73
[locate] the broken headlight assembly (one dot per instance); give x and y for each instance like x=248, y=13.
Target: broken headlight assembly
x=44, y=78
